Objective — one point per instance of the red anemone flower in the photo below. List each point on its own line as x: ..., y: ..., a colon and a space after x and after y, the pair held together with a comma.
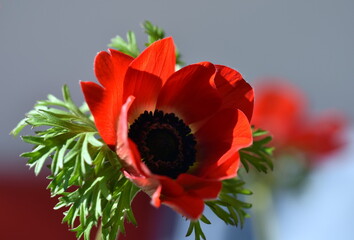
x: 177, y: 133
x: 282, y: 109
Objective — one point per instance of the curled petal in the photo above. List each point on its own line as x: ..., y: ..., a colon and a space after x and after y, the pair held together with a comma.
x: 173, y: 195
x: 110, y: 68
x: 226, y: 167
x: 133, y: 167
x: 101, y: 104
x: 149, y: 185
x: 219, y: 139
x: 189, y: 94
x: 126, y: 149
x: 186, y: 194
x: 199, y: 187
x: 234, y: 90
x: 190, y: 207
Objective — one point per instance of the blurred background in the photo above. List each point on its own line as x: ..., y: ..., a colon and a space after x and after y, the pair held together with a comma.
x: 45, y: 44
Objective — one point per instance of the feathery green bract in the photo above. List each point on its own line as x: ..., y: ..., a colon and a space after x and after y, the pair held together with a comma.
x: 154, y: 32
x: 130, y: 47
x: 228, y: 207
x: 85, y: 173
x: 194, y: 226
x: 259, y: 155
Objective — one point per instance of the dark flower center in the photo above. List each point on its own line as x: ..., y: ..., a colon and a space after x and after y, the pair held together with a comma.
x: 165, y: 143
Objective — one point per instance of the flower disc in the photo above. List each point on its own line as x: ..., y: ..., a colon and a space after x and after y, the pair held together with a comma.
x: 165, y: 143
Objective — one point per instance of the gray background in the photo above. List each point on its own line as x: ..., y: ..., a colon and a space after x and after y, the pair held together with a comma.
x: 45, y: 44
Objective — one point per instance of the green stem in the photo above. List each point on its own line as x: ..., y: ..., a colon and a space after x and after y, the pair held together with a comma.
x: 265, y: 223
x: 99, y: 232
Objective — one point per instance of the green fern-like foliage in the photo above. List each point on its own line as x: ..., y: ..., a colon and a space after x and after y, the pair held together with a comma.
x: 130, y: 46
x: 259, y: 154
x: 85, y: 173
x: 228, y: 207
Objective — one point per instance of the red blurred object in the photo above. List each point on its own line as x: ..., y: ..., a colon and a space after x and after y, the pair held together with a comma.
x: 26, y: 211
x: 150, y: 221
x: 282, y: 109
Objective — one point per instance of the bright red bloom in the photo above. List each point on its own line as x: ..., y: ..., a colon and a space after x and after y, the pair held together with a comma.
x: 177, y: 133
x: 282, y: 110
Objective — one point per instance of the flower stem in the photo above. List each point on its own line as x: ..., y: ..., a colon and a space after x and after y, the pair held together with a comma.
x: 99, y: 232
x: 264, y: 219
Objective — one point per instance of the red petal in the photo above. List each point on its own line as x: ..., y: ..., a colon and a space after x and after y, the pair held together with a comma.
x: 173, y: 195
x: 199, y: 187
x: 147, y: 73
x: 280, y: 109
x: 145, y: 87
x: 149, y: 185
x: 110, y: 68
x: 309, y: 137
x: 100, y: 105
x: 126, y: 149
x: 188, y: 206
x: 105, y: 102
x: 235, y: 91
x: 226, y: 167
x: 219, y: 139
x: 189, y: 94
x: 170, y: 187
x: 158, y: 59
x: 186, y: 194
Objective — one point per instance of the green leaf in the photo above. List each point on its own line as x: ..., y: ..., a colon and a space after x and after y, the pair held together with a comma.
x: 85, y: 155
x: 19, y: 127
x: 194, y: 226
x: 228, y: 207
x: 154, y: 32
x: 259, y: 155
x: 129, y: 47
x: 85, y: 173
x: 229, y: 197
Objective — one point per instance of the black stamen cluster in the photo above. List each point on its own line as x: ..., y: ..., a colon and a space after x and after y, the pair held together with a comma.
x: 165, y: 143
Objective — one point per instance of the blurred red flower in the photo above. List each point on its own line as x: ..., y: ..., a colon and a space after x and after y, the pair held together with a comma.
x: 282, y: 109
x: 177, y: 133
